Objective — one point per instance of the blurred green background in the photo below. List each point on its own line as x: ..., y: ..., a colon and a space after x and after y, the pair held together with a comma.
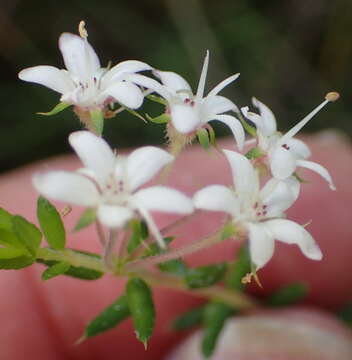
x: 289, y: 53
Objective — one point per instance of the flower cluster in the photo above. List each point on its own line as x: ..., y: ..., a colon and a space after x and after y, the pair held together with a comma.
x: 110, y: 184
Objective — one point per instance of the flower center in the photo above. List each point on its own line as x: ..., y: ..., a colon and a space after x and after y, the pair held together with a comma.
x: 115, y: 191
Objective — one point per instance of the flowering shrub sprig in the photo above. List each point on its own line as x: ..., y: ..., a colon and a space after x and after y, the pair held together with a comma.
x: 112, y: 190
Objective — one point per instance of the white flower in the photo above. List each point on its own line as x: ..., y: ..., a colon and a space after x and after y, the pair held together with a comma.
x: 109, y: 183
x: 285, y: 153
x: 259, y: 213
x: 191, y: 112
x: 85, y: 83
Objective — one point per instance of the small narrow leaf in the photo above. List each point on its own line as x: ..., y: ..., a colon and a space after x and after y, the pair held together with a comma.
x: 203, y: 138
x: 51, y: 224
x: 212, y: 136
x: 254, y: 153
x: 141, y: 306
x: 189, y: 319
x: 58, y: 108
x: 5, y: 220
x: 27, y: 233
x: 161, y: 119
x: 11, y: 252
x: 16, y: 263
x: 155, y: 249
x: 109, y: 318
x: 156, y: 99
x: 175, y: 266
x: 214, y: 317
x: 238, y: 269
x: 97, y: 118
x: 55, y: 270
x: 205, y: 275
x: 248, y: 127
x: 138, y: 235
x: 136, y: 114
x: 288, y: 295
x: 87, y: 218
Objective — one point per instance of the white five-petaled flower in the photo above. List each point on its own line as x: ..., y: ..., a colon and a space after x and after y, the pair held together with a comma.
x: 191, y: 112
x: 85, y: 83
x: 285, y: 153
x: 259, y: 213
x: 109, y: 183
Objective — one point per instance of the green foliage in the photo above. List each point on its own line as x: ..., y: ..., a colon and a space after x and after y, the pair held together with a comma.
x: 254, y: 153
x: 249, y: 128
x: 55, y: 270
x: 288, y: 295
x: 157, y: 99
x: 189, y: 319
x: 139, y: 233
x: 155, y: 249
x: 109, y: 318
x: 15, y: 263
x: 229, y: 230
x: 214, y: 317
x: 203, y: 138
x: 57, y: 108
x: 28, y: 234
x: 51, y: 224
x: 205, y: 275
x: 161, y: 119
x: 87, y: 218
x: 175, y: 266
x: 141, y: 306
x: 5, y: 220
x: 238, y: 269
x: 97, y: 118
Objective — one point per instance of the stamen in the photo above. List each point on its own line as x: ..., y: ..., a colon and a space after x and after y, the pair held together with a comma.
x: 82, y: 30
x: 285, y: 146
x: 332, y: 96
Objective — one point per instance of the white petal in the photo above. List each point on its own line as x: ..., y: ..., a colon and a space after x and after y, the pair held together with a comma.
x: 126, y: 93
x: 267, y: 116
x: 150, y: 84
x: 235, y: 126
x: 68, y: 187
x: 114, y: 216
x: 164, y: 199
x: 217, y: 105
x: 185, y: 118
x: 128, y: 66
x: 298, y: 148
x: 95, y: 154
x: 144, y: 163
x: 173, y: 81
x: 254, y: 118
x: 216, y: 198
x: 261, y: 244
x: 278, y: 195
x: 49, y: 76
x: 202, y: 79
x: 245, y: 178
x: 319, y: 169
x: 282, y: 163
x: 79, y: 56
x: 290, y: 232
x: 223, y: 84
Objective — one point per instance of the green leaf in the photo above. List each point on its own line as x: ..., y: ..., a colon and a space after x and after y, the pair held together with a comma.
x: 136, y: 114
x: 203, y: 138
x: 11, y: 252
x: 28, y: 234
x: 189, y: 319
x: 97, y: 118
x: 238, y: 269
x: 16, y: 263
x: 249, y: 128
x: 254, y: 153
x: 141, y: 306
x: 161, y: 119
x: 55, y: 270
x: 214, y: 317
x: 212, y: 136
x: 87, y: 218
x: 5, y: 220
x: 175, y: 266
x: 345, y: 314
x: 205, y: 275
x: 9, y: 239
x: 109, y: 318
x: 58, y: 108
x: 288, y: 295
x: 157, y: 99
x: 139, y: 233
x: 155, y: 249
x: 51, y: 224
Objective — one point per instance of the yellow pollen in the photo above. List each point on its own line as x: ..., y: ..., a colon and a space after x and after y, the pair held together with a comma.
x: 332, y: 96
x: 82, y: 30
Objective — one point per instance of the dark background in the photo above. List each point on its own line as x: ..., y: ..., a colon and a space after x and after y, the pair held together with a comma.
x: 289, y: 53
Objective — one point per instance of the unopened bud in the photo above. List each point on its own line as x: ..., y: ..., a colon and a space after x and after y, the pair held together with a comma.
x: 332, y: 96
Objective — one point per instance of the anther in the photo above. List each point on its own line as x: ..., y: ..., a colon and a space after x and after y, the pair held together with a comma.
x: 82, y: 30
x: 332, y: 96
x: 285, y: 146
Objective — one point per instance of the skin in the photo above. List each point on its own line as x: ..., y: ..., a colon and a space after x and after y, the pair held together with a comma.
x: 43, y: 320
